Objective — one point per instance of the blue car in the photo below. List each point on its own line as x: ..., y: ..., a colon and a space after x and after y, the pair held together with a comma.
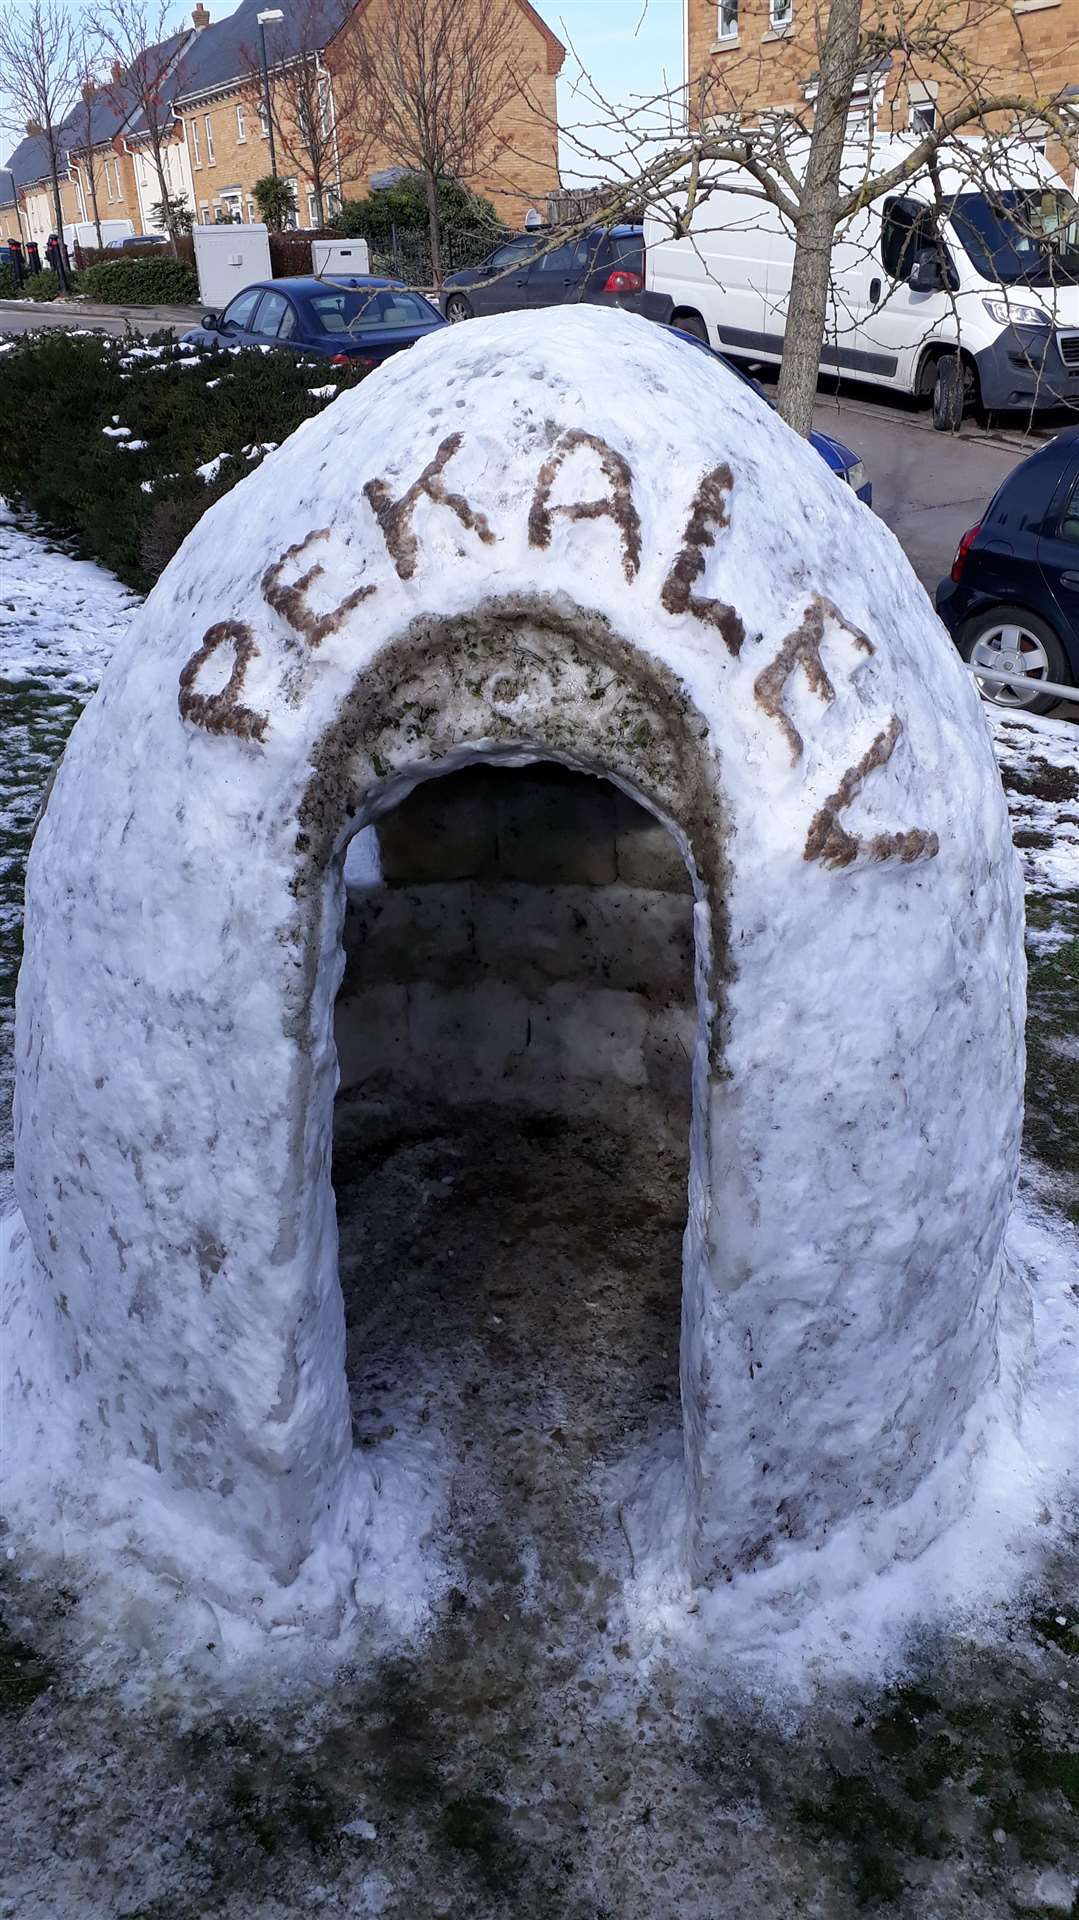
x: 358, y: 318
x: 1011, y: 601
x: 843, y: 461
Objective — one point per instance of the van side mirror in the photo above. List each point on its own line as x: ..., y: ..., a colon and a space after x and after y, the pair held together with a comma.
x: 933, y: 271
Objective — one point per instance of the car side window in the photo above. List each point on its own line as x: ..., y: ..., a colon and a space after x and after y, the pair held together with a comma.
x: 273, y: 308
x: 237, y: 315
x: 561, y: 260
x: 1069, y: 519
x: 513, y: 255
x: 907, y: 228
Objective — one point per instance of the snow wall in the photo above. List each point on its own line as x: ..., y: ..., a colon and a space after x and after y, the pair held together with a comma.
x: 568, y: 538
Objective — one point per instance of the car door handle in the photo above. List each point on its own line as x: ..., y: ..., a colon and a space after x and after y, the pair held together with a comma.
x: 1069, y: 579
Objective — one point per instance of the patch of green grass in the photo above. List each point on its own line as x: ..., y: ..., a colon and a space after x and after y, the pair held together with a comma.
x: 23, y: 1675
x: 1052, y: 1117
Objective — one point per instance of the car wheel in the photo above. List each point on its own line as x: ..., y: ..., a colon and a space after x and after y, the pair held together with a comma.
x: 1013, y: 640
x: 457, y: 308
x: 691, y: 323
x: 948, y: 394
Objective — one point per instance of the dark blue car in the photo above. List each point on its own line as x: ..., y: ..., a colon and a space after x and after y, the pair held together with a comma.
x: 843, y: 461
x: 359, y: 318
x: 1011, y: 601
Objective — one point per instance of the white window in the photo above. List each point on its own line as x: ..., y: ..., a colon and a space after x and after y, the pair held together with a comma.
x: 204, y: 216
x: 780, y: 14
x: 208, y: 124
x: 922, y: 108
x: 241, y: 123
x: 324, y: 106
x: 728, y: 19
x: 312, y: 209
x: 195, y: 148
x: 294, y: 217
x: 264, y: 123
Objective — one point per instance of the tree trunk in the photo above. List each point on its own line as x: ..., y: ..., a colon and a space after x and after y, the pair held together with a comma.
x: 808, y: 308
x: 93, y: 203
x: 431, y: 185
x: 62, y: 273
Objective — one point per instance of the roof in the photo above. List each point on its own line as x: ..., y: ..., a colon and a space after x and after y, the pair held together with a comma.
x: 227, y: 50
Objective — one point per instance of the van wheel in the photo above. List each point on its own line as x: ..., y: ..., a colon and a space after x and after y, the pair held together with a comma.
x: 691, y: 323
x: 948, y: 394
x: 1014, y: 640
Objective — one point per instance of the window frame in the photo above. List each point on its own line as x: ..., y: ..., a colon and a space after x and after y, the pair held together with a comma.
x: 782, y: 21
x: 195, y: 145
x: 241, y: 124
x: 211, y: 158
x: 727, y: 30
x: 245, y: 327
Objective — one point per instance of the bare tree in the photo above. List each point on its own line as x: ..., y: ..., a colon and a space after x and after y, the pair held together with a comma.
x: 321, y: 118
x: 135, y: 35
x: 438, y: 77
x: 39, y: 59
x: 82, y: 129
x: 797, y: 161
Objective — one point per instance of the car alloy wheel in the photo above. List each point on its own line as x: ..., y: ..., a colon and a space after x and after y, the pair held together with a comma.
x: 1010, y: 647
x: 457, y: 309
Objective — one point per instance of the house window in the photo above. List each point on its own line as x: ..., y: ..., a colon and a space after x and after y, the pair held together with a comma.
x: 780, y: 14
x: 922, y: 109
x: 207, y: 123
x: 264, y: 123
x: 728, y: 19
x: 241, y: 123
x: 196, y: 149
x: 294, y: 217
x: 324, y: 104
x: 252, y: 213
x: 204, y: 216
x: 312, y: 209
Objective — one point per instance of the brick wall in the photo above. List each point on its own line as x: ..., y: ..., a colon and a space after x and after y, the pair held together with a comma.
x: 1027, y: 47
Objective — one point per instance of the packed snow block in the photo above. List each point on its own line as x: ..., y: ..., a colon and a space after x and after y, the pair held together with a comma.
x: 485, y: 556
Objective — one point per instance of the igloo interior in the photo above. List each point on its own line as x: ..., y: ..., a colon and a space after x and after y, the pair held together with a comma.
x: 491, y: 610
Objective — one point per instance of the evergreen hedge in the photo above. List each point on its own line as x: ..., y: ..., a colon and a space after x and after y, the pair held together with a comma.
x: 41, y: 286
x: 140, y: 282
x: 130, y: 510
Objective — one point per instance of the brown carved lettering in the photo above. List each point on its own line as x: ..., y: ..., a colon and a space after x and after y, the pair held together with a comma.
x: 828, y: 840
x: 395, y: 516
x: 708, y: 511
x: 222, y: 712
x: 291, y: 601
x: 617, y: 505
x: 802, y: 648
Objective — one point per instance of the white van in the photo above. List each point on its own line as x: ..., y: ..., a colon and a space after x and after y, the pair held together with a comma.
x: 968, y: 294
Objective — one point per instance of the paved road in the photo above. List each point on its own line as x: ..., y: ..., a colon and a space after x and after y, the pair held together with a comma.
x: 25, y: 317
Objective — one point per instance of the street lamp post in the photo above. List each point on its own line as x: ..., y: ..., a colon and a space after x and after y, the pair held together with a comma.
x: 271, y: 14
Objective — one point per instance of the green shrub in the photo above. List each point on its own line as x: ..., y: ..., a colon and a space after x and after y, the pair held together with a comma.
x: 141, y: 283
x: 132, y: 509
x: 273, y: 198
x: 9, y: 286
x: 41, y: 286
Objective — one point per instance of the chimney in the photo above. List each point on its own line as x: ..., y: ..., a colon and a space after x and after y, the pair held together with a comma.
x: 117, y: 73
x: 33, y: 128
x: 200, y: 18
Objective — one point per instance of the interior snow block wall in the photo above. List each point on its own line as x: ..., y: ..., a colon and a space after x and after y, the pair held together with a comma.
x: 569, y: 538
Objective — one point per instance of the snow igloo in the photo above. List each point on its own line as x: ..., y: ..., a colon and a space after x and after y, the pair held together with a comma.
x: 557, y: 623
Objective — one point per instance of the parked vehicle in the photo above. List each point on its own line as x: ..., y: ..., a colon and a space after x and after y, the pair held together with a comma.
x: 339, y: 319
x: 974, y: 305
x: 1011, y: 601
x: 843, y: 461
x: 535, y: 270
x: 126, y: 240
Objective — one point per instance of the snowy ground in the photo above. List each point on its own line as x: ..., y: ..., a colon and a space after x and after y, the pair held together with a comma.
x: 533, y: 1753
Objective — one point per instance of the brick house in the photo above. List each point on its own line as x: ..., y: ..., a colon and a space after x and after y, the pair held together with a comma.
x: 215, y: 138
x: 743, y: 56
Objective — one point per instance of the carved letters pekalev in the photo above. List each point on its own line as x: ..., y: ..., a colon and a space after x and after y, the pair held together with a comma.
x: 828, y: 840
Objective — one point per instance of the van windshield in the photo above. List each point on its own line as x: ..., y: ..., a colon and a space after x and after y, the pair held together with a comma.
x: 1028, y: 235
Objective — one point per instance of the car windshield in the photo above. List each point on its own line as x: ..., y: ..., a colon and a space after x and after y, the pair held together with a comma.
x: 1028, y: 235
x: 369, y: 310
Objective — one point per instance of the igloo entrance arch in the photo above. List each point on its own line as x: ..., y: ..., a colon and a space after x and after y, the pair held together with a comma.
x: 479, y: 557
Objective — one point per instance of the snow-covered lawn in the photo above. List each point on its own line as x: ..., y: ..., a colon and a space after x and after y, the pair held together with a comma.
x: 524, y: 1759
